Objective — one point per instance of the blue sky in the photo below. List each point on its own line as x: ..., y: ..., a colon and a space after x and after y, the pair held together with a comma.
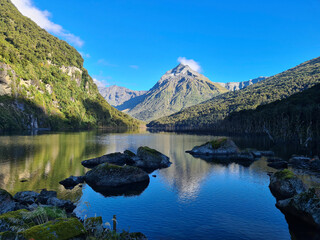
x: 133, y: 43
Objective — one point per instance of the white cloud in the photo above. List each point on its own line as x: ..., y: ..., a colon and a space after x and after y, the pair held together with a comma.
x: 27, y: 8
x: 106, y: 63
x: 85, y: 55
x: 101, y: 83
x: 191, y: 63
x: 134, y: 66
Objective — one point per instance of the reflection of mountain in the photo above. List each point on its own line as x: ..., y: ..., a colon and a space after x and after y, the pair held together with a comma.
x: 45, y: 160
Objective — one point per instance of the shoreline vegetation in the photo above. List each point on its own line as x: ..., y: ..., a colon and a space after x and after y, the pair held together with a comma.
x: 43, y: 83
x: 42, y: 216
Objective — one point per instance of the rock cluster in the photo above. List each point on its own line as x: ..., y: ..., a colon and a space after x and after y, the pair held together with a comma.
x: 30, y: 200
x: 120, y: 173
x: 293, y: 199
x: 49, y: 219
x: 224, y: 150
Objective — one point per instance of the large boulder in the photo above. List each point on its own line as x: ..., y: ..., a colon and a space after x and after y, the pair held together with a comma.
x: 109, y: 175
x: 26, y: 197
x: 7, y: 202
x: 221, y: 146
x: 285, y: 184
x: 112, y: 158
x: 149, y: 158
x: 14, y: 221
x: 71, y: 182
x: 304, y: 206
x: 61, y: 228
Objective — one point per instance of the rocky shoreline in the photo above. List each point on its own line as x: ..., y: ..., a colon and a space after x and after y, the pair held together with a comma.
x: 32, y: 215
x: 294, y: 198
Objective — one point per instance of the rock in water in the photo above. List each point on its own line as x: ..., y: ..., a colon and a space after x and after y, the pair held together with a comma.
x: 284, y: 184
x: 219, y: 147
x: 305, y: 206
x: 151, y: 159
x: 112, y: 158
x: 7, y: 203
x: 109, y: 175
x: 71, y: 182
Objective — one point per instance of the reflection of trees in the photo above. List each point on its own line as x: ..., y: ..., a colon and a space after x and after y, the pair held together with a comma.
x: 44, y: 160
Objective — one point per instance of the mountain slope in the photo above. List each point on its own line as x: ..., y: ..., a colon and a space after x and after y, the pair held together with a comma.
x: 116, y: 95
x: 296, y: 117
x: 43, y: 82
x: 177, y: 89
x: 233, y: 86
x: 280, y: 86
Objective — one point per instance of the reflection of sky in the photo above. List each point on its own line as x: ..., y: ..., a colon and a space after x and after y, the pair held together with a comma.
x: 192, y: 199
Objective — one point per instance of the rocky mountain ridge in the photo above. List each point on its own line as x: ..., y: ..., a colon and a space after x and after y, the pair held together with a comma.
x: 177, y: 89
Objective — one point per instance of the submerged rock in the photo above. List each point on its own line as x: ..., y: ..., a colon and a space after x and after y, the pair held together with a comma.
x: 109, y: 175
x: 72, y: 181
x: 221, y: 146
x: 304, y: 206
x: 7, y: 202
x: 284, y: 184
x: 112, y: 158
x: 149, y: 158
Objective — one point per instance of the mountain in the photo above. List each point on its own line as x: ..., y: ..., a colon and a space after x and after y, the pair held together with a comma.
x: 296, y: 117
x: 177, y: 89
x: 280, y: 86
x: 43, y: 83
x: 233, y: 86
x: 116, y: 95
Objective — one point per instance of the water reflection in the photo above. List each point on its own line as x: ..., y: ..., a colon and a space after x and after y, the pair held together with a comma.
x: 189, y: 200
x: 44, y: 160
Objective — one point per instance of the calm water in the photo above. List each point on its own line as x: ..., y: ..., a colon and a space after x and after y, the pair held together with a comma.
x: 193, y: 199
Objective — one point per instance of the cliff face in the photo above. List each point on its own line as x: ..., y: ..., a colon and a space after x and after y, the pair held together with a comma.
x: 116, y: 95
x: 233, y: 86
x: 43, y: 82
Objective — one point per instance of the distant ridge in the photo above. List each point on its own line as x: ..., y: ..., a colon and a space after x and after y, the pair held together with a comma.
x: 179, y: 88
x: 207, y: 114
x: 233, y: 86
x: 116, y: 95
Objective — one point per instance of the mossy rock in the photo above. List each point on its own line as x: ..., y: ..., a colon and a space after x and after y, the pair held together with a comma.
x: 129, y: 153
x: 149, y: 150
x: 15, y: 221
x: 285, y: 174
x: 7, y: 235
x: 217, y: 143
x: 61, y: 228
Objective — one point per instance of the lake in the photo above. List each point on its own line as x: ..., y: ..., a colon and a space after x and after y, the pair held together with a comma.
x: 192, y: 199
